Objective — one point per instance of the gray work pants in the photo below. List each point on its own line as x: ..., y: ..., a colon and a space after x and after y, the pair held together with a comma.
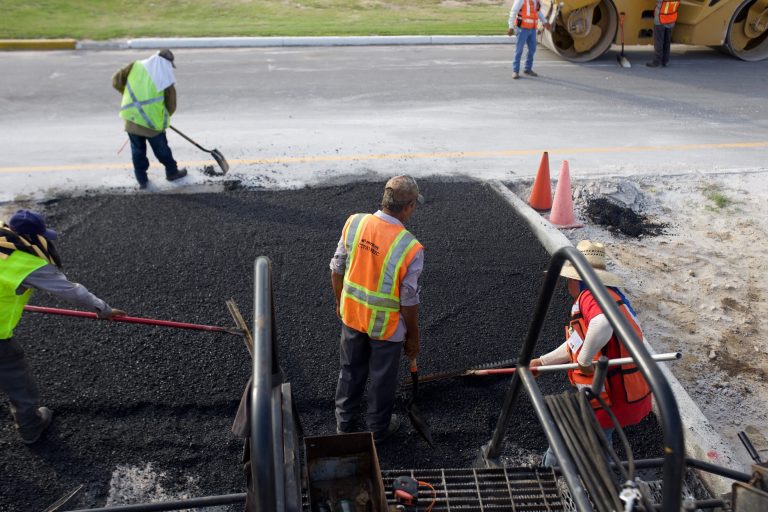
x: 17, y: 382
x: 662, y: 40
x: 361, y: 358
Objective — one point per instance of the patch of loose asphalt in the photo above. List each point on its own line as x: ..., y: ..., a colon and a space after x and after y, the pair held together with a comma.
x: 129, y: 394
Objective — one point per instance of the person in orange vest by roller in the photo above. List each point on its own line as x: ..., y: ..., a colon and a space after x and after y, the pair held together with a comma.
x: 664, y: 18
x: 525, y: 16
x: 374, y: 274
x: 588, y: 336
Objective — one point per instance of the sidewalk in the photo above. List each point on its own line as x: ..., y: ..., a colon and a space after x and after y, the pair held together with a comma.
x: 246, y: 42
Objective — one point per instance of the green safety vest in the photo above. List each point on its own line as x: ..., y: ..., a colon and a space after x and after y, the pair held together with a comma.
x: 14, y: 269
x: 142, y: 103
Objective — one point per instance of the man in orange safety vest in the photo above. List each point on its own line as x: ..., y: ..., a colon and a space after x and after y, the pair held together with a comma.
x: 374, y: 274
x: 524, y: 17
x: 664, y: 18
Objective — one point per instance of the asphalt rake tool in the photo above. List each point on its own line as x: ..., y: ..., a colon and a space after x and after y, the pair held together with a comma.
x: 494, y: 368
x: 215, y: 153
x: 135, y: 320
x: 413, y: 412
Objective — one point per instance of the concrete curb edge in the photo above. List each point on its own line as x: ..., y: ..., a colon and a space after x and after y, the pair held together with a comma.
x: 37, y: 44
x: 247, y: 42
x: 702, y: 441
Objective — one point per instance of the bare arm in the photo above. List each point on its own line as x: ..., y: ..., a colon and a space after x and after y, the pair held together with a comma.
x: 412, y: 334
x: 169, y: 96
x: 337, y: 282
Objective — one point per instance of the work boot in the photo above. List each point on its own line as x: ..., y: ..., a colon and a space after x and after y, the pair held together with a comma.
x: 143, y: 185
x: 30, y: 431
x: 530, y: 72
x: 177, y: 175
x: 383, y: 435
x: 652, y: 64
x: 515, y: 75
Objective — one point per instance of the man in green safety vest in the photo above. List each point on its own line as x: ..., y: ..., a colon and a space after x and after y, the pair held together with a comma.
x: 149, y: 100
x: 28, y: 260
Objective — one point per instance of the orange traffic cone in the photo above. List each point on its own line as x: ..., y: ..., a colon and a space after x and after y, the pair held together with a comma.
x: 541, y: 193
x: 562, y: 211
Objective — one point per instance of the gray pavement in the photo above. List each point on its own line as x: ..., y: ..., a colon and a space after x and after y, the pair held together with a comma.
x: 291, y: 116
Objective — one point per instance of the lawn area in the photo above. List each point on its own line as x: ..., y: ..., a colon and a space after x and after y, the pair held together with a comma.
x: 110, y: 19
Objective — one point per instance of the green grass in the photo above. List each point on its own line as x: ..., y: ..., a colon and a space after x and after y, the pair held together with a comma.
x: 714, y: 194
x: 115, y: 19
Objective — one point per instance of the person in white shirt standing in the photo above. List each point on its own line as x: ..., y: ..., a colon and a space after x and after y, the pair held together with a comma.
x: 525, y: 16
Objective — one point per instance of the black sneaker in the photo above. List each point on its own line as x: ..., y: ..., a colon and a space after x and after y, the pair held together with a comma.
x: 177, y: 175
x: 31, y: 434
x: 530, y: 72
x: 383, y: 435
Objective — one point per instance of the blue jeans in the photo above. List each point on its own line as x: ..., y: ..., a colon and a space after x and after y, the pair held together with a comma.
x: 161, y: 150
x: 525, y: 37
x: 549, y: 460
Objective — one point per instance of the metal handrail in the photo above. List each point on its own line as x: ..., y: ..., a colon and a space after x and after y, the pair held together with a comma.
x: 669, y: 415
x: 265, y: 368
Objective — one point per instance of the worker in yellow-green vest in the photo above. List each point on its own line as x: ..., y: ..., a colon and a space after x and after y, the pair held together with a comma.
x: 28, y: 260
x: 374, y: 274
x: 149, y: 101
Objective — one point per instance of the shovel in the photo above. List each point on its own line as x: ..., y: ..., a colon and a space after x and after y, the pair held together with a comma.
x: 413, y: 413
x: 620, y: 58
x: 214, y: 152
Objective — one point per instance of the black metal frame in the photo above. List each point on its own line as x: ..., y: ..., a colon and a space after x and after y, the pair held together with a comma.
x: 669, y: 415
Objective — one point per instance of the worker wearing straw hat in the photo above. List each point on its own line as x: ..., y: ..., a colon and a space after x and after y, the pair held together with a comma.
x: 590, y: 335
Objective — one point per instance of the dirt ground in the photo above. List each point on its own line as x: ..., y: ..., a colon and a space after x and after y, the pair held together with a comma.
x: 699, y: 286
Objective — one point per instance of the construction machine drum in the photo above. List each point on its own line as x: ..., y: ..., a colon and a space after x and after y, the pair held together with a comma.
x: 585, y: 29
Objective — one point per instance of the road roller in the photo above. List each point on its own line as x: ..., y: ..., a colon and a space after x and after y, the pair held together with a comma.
x: 585, y: 29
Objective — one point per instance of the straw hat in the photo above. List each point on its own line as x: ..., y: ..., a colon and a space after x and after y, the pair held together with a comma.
x: 594, y: 252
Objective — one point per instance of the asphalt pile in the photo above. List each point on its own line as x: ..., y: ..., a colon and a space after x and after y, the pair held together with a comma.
x: 128, y: 395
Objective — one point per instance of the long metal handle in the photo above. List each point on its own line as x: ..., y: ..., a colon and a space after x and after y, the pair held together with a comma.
x: 190, y: 140
x: 669, y: 356
x: 133, y: 320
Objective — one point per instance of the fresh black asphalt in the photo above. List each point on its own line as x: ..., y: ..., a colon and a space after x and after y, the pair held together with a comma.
x: 127, y: 395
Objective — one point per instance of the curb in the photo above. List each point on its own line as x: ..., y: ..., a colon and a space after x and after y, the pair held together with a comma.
x: 247, y: 42
x: 37, y: 44
x: 702, y: 440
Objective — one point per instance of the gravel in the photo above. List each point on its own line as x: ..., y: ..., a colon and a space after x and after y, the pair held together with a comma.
x: 158, y: 403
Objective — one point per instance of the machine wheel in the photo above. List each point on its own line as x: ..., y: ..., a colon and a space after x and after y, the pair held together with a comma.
x: 747, y: 36
x: 584, y: 34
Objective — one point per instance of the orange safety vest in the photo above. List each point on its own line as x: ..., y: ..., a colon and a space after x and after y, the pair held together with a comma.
x: 378, y: 255
x: 668, y: 12
x: 528, y: 16
x: 632, y: 383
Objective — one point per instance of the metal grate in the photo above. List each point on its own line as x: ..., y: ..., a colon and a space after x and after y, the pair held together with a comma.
x: 484, y: 490
x: 502, y: 489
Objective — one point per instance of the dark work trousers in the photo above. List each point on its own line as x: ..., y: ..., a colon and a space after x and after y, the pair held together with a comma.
x: 362, y: 357
x: 17, y: 382
x: 161, y: 150
x: 662, y: 39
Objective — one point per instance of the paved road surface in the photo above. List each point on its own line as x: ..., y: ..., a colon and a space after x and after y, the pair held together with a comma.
x: 292, y: 116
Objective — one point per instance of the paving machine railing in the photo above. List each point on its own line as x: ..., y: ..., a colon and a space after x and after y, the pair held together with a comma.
x: 669, y: 415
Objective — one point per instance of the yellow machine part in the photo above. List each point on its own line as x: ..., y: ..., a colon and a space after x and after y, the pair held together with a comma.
x: 586, y: 29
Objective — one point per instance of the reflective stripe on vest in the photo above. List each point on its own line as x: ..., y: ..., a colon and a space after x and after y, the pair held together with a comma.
x: 528, y: 17
x: 634, y: 386
x: 380, y: 305
x: 14, y: 269
x: 142, y: 103
x: 668, y: 12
